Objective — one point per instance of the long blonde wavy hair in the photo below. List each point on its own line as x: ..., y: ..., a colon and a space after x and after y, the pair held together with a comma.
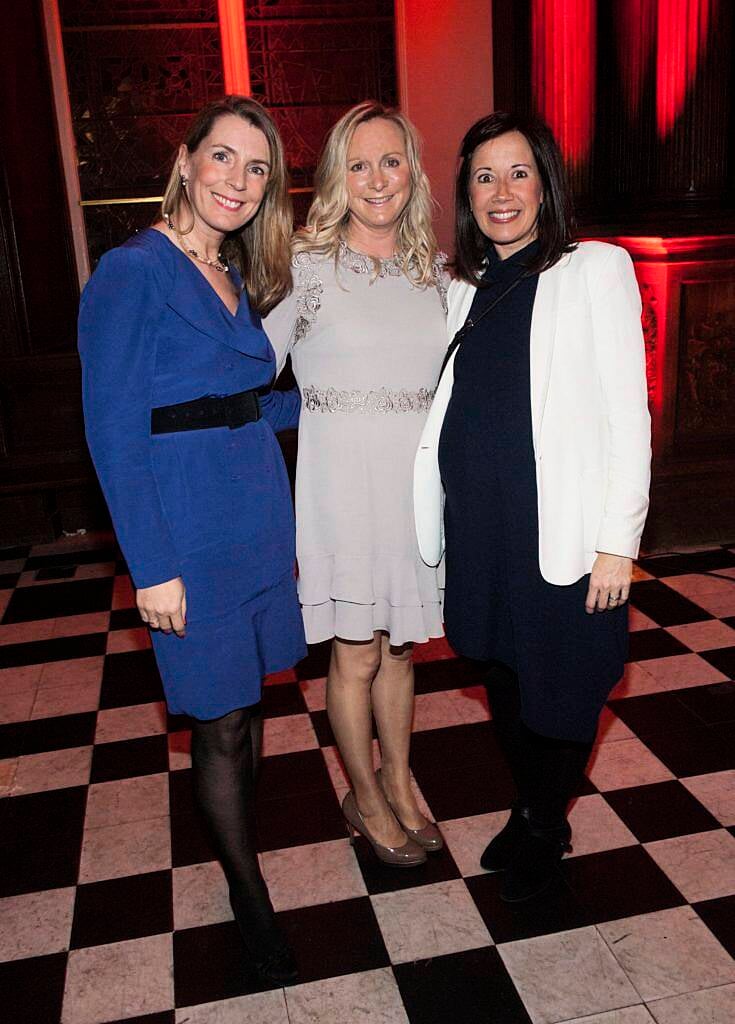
x: 329, y: 212
x: 261, y: 250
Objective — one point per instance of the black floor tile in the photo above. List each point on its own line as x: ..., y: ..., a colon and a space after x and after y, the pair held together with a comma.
x: 555, y: 910
x: 655, y: 713
x: 189, y: 841
x: 660, y: 811
x: 8, y: 580
x: 464, y: 988
x: 454, y: 794
x: 664, y: 605
x: 166, y: 1017
x: 299, y: 774
x: 63, y: 648
x: 323, y: 730
x: 332, y: 939
x: 125, y: 759
x: 130, y: 678
x: 619, y: 883
x: 180, y: 793
x: 29, y: 865
x: 704, y: 749
x: 32, y: 990
x: 16, y: 552
x: 448, y: 674
x: 283, y: 699
x: 379, y: 877
x: 41, y: 815
x: 455, y: 746
x: 59, y: 599
x: 719, y: 916
x: 125, y: 618
x: 122, y: 908
x: 56, y: 572
x: 723, y: 659
x: 653, y: 643
x: 696, y: 561
x: 227, y: 973
x: 316, y: 663
x: 46, y: 734
x: 296, y: 820
x: 711, y: 704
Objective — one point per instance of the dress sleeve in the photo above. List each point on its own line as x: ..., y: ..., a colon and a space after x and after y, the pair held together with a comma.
x: 281, y: 409
x: 118, y: 351
x: 620, y: 354
x: 280, y: 326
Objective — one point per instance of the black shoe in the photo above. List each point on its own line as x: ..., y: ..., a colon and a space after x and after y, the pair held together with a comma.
x: 278, y: 967
x: 500, y: 851
x: 535, y: 863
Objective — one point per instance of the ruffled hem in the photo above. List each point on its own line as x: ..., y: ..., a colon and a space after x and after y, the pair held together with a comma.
x: 352, y: 621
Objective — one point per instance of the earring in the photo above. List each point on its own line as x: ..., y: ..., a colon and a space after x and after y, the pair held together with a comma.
x: 184, y: 181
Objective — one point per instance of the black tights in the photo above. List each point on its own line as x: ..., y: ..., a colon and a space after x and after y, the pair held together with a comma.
x: 546, y: 771
x: 225, y: 753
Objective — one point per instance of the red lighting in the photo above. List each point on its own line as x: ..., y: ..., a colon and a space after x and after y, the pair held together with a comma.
x: 636, y: 33
x: 683, y: 33
x: 234, y: 46
x: 563, y: 36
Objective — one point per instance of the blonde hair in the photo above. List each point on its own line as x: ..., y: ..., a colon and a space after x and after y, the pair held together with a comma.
x: 261, y: 249
x: 329, y: 212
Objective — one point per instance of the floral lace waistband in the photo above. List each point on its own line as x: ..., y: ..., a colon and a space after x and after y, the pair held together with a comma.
x: 380, y: 400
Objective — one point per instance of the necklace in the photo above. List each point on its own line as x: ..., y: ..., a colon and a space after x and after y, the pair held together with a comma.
x: 218, y: 263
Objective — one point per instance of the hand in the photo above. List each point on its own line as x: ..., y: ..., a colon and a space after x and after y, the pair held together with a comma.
x: 609, y: 583
x: 164, y: 606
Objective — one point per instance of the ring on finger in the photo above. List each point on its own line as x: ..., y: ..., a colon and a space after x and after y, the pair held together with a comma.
x: 612, y: 600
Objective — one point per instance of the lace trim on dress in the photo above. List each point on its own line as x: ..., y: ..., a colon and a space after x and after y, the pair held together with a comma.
x: 381, y: 400
x: 309, y: 287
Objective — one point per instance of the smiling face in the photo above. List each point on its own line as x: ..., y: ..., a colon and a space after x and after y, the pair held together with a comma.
x: 226, y: 175
x: 506, y: 192
x: 378, y: 177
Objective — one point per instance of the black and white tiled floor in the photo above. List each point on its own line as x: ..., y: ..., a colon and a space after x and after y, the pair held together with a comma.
x: 111, y: 907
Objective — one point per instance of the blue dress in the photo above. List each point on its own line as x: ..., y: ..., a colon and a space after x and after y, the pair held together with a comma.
x: 497, y: 605
x: 211, y: 506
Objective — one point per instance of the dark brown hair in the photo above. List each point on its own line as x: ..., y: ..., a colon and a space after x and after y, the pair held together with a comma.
x: 555, y: 219
x: 261, y: 250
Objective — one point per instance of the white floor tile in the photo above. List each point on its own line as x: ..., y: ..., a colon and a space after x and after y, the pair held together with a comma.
x: 303, y: 876
x: 36, y: 924
x: 625, y: 763
x: 371, y: 997
x: 130, y: 849
x: 713, y: 1006
x: 260, y: 1008
x: 125, y: 800
x: 717, y: 792
x: 200, y: 895
x: 57, y: 769
x: 131, y: 722
x: 288, y: 733
x: 701, y: 866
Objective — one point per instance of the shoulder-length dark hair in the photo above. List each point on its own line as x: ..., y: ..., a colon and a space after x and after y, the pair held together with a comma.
x: 261, y: 250
x: 556, y: 218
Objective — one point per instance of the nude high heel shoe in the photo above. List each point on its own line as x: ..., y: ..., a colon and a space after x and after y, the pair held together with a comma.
x: 428, y: 838
x: 409, y: 855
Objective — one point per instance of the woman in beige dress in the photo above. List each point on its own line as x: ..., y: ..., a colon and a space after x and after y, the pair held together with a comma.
x: 366, y: 329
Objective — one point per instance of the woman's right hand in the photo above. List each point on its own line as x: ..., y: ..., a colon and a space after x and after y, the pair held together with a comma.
x: 164, y: 606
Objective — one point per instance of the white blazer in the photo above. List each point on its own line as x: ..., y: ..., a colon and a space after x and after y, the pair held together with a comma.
x: 589, y: 411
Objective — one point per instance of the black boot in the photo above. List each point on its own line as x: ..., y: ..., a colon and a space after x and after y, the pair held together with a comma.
x: 556, y: 768
x: 505, y: 702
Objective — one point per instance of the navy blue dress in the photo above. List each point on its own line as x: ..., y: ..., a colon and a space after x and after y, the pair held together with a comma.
x: 497, y: 606
x: 211, y: 506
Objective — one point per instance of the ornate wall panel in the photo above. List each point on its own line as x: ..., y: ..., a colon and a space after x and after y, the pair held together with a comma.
x: 137, y: 71
x: 309, y: 62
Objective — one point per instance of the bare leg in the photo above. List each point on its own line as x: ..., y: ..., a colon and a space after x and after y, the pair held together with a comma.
x: 352, y: 669
x: 393, y: 707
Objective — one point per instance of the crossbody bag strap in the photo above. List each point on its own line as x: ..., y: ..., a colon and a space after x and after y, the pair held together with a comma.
x: 469, y: 323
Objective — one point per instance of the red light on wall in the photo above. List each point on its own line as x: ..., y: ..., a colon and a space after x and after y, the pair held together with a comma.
x: 234, y: 46
x: 636, y: 34
x: 563, y: 37
x: 682, y: 36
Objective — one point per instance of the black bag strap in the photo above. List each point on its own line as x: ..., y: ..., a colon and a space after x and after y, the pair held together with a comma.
x: 470, y: 323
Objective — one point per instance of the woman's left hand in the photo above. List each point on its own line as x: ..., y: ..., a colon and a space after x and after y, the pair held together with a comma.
x: 609, y: 583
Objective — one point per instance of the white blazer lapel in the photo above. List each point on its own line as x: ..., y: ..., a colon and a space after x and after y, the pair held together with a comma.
x: 543, y: 331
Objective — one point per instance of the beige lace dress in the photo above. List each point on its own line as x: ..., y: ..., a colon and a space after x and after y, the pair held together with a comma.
x: 366, y: 349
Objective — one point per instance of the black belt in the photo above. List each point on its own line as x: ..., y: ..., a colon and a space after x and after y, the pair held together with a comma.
x: 215, y: 411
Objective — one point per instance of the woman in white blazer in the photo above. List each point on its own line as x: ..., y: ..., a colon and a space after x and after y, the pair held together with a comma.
x: 534, y: 464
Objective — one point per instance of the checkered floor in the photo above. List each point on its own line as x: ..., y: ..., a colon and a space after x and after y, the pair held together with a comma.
x: 112, y: 908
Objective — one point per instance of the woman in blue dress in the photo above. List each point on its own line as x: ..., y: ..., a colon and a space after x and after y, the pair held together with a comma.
x: 181, y: 421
